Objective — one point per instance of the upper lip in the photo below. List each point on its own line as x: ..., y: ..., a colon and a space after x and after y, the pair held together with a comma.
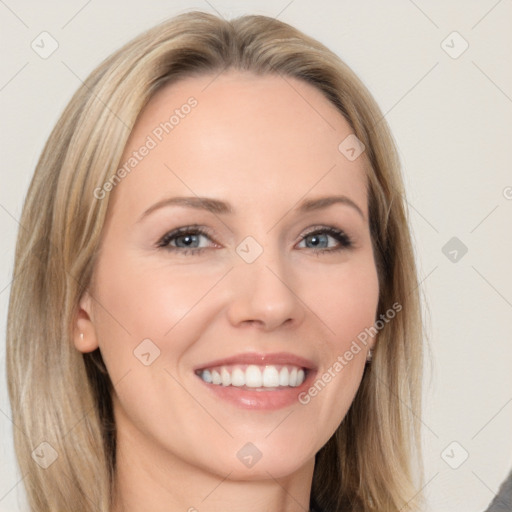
x: 283, y: 358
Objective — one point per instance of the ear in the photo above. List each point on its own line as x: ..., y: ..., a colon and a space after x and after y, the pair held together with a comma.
x: 84, y: 331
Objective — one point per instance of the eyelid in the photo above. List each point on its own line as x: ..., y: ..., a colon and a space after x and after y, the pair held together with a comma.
x: 197, y: 229
x: 344, y: 240
x: 322, y: 228
x: 340, y: 235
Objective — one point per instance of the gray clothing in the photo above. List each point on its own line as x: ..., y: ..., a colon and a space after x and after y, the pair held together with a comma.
x: 502, y: 502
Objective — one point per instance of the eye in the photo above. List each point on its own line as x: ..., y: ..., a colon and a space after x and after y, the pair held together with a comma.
x: 326, y: 239
x: 194, y: 239
x: 185, y: 240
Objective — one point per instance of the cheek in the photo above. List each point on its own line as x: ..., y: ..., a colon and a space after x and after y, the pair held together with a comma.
x: 137, y: 302
x: 154, y: 299
x: 347, y: 309
x: 147, y: 318
x: 345, y: 298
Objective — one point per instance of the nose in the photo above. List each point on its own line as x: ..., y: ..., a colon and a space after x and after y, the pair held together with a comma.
x: 264, y: 295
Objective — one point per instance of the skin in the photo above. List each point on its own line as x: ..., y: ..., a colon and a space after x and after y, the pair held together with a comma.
x: 262, y: 144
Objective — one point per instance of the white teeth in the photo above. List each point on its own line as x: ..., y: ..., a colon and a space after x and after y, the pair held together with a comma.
x: 238, y: 377
x: 293, y: 377
x: 216, y: 379
x: 226, y: 377
x: 270, y: 377
x: 284, y: 376
x: 253, y: 376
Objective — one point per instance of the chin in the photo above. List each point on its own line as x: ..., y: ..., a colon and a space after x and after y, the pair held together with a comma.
x: 249, y: 463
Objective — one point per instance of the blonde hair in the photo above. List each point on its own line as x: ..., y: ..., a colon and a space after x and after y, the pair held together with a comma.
x: 62, y: 397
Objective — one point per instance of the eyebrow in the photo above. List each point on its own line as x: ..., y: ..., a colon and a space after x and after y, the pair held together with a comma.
x: 324, y: 202
x: 220, y: 207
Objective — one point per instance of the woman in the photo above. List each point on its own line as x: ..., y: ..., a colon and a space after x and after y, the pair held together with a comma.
x: 216, y: 303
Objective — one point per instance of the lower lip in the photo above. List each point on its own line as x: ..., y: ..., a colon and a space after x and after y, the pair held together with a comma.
x: 260, y: 400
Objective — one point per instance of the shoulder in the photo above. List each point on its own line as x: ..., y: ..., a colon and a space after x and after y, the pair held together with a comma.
x: 503, y: 500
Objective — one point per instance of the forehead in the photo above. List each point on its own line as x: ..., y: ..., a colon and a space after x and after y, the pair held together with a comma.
x: 240, y: 137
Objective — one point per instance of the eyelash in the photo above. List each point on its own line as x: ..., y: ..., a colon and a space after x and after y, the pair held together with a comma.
x: 344, y: 240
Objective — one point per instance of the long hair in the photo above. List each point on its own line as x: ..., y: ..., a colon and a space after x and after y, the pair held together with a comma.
x: 61, y: 399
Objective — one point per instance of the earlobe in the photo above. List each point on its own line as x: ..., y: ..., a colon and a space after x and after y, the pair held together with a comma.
x: 371, y: 349
x: 84, y: 330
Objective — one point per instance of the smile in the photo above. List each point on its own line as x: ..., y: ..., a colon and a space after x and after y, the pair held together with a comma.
x: 257, y: 381
x: 253, y: 376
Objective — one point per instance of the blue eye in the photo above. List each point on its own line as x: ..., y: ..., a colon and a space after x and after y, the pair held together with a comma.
x: 187, y: 240
x: 322, y: 238
x: 190, y: 240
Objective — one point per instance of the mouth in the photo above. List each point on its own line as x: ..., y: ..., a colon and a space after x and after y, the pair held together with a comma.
x: 254, y: 377
x: 258, y: 381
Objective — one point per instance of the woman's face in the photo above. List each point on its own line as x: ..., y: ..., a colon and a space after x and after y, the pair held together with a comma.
x: 223, y: 259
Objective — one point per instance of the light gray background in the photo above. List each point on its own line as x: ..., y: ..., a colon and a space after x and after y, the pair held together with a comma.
x: 452, y: 120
